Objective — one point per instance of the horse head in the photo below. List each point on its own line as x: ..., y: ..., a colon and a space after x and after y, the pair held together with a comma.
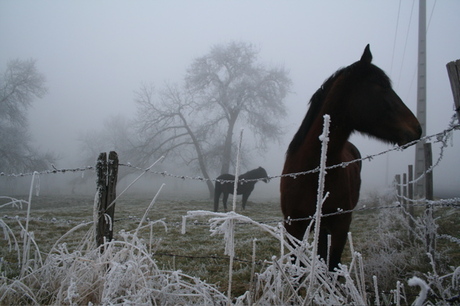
x: 263, y: 174
x: 375, y: 109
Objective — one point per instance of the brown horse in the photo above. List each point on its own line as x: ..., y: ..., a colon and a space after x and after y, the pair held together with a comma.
x: 357, y: 98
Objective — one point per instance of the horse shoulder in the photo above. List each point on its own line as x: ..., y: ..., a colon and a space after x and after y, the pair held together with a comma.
x: 354, y: 172
x: 352, y: 150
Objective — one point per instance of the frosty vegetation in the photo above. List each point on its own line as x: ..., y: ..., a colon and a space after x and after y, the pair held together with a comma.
x: 396, y: 265
x: 126, y: 272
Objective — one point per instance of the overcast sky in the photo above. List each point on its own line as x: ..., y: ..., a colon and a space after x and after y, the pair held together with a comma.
x: 95, y: 54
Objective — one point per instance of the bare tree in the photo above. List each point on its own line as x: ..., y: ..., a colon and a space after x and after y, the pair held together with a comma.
x: 196, y: 122
x: 233, y: 86
x: 172, y: 126
x: 20, y: 84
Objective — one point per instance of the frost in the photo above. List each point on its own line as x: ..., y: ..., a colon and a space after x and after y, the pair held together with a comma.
x: 415, y: 281
x: 126, y: 272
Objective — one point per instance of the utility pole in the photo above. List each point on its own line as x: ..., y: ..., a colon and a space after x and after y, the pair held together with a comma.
x: 421, y: 98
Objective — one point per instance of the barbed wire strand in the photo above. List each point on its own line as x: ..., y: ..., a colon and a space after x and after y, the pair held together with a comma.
x: 452, y: 202
x: 440, y: 137
x: 259, y: 262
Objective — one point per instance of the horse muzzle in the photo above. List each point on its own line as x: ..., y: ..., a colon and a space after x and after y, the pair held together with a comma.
x: 411, y: 135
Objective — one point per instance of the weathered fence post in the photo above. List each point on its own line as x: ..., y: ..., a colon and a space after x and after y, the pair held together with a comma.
x: 430, y: 226
x: 410, y: 195
x: 404, y: 191
x: 398, y: 186
x: 107, y: 174
x: 453, y: 70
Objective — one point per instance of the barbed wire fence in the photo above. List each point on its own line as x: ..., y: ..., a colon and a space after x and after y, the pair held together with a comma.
x: 442, y: 137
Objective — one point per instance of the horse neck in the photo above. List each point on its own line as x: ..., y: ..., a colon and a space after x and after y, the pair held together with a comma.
x: 339, y: 132
x: 249, y: 176
x: 337, y: 105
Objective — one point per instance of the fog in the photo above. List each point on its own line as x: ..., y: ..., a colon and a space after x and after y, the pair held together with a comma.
x: 95, y: 54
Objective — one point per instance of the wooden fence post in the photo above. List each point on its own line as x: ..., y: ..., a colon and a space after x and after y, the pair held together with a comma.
x: 410, y: 195
x: 430, y: 226
x: 453, y: 70
x: 404, y: 191
x: 107, y: 175
x: 398, y: 186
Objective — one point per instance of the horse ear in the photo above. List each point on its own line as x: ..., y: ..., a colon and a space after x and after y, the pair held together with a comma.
x: 367, y: 55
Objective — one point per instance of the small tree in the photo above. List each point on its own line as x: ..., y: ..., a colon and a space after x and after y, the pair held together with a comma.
x: 20, y: 84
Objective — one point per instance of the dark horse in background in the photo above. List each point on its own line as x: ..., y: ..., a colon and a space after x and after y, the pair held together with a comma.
x: 244, y: 188
x: 357, y: 98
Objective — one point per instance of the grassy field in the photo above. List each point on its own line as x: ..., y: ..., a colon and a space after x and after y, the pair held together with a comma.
x: 195, y: 252
x: 199, y: 254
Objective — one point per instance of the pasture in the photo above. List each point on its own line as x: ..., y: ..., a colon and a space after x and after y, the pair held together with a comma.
x: 390, y: 250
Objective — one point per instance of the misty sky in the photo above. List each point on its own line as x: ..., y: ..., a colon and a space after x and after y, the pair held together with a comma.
x: 95, y: 54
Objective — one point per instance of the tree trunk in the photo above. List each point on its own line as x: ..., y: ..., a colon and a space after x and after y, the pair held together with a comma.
x: 227, y: 154
x: 203, y: 166
x: 200, y: 157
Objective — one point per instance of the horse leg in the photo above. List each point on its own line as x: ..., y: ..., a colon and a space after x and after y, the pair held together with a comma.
x: 296, y: 228
x: 322, y: 244
x: 225, y: 201
x: 245, y: 199
x: 339, y: 235
x: 217, y: 192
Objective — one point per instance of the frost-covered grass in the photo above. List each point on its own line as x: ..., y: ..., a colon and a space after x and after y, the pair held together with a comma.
x: 194, y: 250
x: 395, y: 248
x: 159, y: 264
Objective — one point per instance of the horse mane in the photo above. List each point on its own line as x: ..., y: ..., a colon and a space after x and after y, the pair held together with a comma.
x: 316, y: 103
